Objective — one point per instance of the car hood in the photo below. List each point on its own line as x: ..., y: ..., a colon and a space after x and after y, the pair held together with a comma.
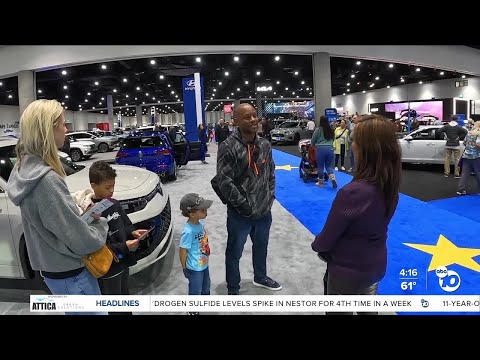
x: 283, y: 131
x: 82, y: 143
x: 131, y: 182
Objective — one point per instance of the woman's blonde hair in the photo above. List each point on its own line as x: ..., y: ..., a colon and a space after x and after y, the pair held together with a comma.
x: 476, y: 128
x: 37, y: 123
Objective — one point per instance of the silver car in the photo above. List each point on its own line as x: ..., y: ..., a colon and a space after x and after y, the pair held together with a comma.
x: 290, y: 131
x: 424, y: 145
x: 104, y: 143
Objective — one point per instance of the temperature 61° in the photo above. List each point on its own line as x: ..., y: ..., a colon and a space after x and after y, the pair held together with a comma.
x: 408, y: 285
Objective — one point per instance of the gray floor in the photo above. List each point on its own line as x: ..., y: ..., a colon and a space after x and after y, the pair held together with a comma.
x: 290, y: 258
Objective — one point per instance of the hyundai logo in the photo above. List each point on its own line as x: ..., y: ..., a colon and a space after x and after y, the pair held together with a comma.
x: 191, y: 83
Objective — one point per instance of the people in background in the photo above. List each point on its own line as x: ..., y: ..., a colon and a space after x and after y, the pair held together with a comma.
x: 172, y: 133
x: 202, y: 137
x: 56, y: 236
x: 453, y: 133
x: 194, y: 246
x: 322, y: 139
x: 340, y: 144
x: 221, y: 131
x: 353, y: 240
x: 66, y: 146
x: 470, y: 158
x: 246, y: 182
x: 310, y: 127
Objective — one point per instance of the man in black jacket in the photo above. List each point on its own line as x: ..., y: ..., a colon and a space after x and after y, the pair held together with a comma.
x: 221, y: 131
x: 453, y: 133
x: 246, y: 179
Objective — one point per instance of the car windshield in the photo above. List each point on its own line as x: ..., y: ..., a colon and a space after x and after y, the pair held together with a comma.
x: 288, y: 124
x: 142, y: 142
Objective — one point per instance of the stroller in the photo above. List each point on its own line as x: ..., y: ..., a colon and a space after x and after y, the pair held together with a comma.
x: 308, y: 165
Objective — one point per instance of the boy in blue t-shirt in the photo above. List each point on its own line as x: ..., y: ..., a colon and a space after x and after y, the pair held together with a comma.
x: 194, y: 248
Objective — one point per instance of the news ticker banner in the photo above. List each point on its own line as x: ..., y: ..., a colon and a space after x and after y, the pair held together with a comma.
x: 255, y: 303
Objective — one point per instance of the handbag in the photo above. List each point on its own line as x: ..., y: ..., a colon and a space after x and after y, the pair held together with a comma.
x: 99, y: 262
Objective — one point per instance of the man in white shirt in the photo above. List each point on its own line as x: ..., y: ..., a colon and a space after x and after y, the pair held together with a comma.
x: 311, y: 127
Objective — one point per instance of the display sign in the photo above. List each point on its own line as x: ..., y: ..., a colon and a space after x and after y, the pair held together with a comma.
x: 227, y: 108
x: 331, y: 114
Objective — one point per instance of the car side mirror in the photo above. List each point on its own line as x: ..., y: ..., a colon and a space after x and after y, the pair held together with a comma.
x: 408, y: 138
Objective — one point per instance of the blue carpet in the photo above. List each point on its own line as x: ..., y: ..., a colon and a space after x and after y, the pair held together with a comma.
x: 414, y: 222
x: 467, y: 206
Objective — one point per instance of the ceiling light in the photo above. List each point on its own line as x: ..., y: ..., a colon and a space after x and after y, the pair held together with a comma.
x: 39, y: 91
x: 377, y: 78
x: 114, y: 90
x: 65, y: 87
x: 343, y: 93
x: 96, y: 83
x: 93, y: 108
x: 66, y: 96
x: 173, y: 92
x: 348, y: 90
x: 214, y: 90
x: 348, y: 84
x: 1, y: 83
x: 104, y: 67
x: 463, y: 76
x: 417, y: 69
x: 80, y: 109
x: 286, y: 88
x: 363, y: 91
x: 258, y: 72
x: 146, y: 94
x: 420, y: 82
x: 359, y: 62
x: 390, y: 66
x: 246, y: 82
x: 352, y: 76
x: 236, y: 58
x: 126, y: 96
x: 125, y: 80
x: 86, y: 100
x: 296, y: 72
x: 402, y: 80
x: 117, y: 101
x: 169, y: 85
x: 198, y: 59
x: 64, y: 72
x: 88, y: 94
x: 238, y: 89
x: 372, y: 85
x: 303, y: 82
x: 442, y: 73
x: 277, y: 58
x: 152, y: 62
x: 388, y: 87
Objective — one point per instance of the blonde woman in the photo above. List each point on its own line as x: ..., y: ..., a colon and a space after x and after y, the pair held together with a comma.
x: 340, y: 144
x: 470, y: 158
x: 56, y: 237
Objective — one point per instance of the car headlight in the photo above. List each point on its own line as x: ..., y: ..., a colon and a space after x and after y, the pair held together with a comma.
x: 134, y: 205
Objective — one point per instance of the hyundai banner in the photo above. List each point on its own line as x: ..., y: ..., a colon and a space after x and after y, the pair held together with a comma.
x: 190, y: 108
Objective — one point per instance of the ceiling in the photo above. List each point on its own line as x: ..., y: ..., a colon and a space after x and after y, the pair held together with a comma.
x: 159, y: 80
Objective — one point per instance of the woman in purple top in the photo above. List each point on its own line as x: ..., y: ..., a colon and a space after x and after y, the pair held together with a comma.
x: 353, y: 240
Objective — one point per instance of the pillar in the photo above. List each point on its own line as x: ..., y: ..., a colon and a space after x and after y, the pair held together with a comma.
x: 26, y: 89
x: 322, y: 84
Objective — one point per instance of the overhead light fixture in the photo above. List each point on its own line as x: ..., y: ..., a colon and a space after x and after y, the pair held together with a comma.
x: 104, y: 67
x: 359, y: 62
x: 236, y: 58
x: 152, y: 62
x: 198, y: 59
x: 64, y: 72
x: 277, y: 58
x: 390, y: 66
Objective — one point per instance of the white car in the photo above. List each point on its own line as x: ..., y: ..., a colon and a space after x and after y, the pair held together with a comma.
x: 424, y: 145
x: 139, y: 191
x: 82, y: 150
x: 104, y: 143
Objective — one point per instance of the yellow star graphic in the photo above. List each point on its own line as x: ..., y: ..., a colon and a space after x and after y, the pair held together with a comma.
x: 447, y: 253
x: 285, y: 167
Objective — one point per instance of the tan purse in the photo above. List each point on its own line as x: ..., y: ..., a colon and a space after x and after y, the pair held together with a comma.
x: 99, y: 262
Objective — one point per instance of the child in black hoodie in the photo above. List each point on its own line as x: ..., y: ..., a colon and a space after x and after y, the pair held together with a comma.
x: 122, y: 236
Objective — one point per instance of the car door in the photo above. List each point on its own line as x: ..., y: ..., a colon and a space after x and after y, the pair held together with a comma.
x: 421, y: 148
x: 195, y: 147
x: 181, y: 147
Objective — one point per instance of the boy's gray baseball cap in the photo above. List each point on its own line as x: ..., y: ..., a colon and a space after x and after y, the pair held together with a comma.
x: 192, y: 202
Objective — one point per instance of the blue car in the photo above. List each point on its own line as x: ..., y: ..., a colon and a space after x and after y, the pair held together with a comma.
x: 155, y: 151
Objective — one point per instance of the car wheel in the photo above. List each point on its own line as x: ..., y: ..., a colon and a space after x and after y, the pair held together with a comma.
x: 76, y: 155
x: 103, y: 148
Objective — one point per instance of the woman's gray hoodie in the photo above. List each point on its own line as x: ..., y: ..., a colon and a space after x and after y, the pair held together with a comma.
x: 55, y: 235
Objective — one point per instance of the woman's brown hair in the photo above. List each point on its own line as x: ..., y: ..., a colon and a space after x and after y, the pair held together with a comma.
x: 378, y: 156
